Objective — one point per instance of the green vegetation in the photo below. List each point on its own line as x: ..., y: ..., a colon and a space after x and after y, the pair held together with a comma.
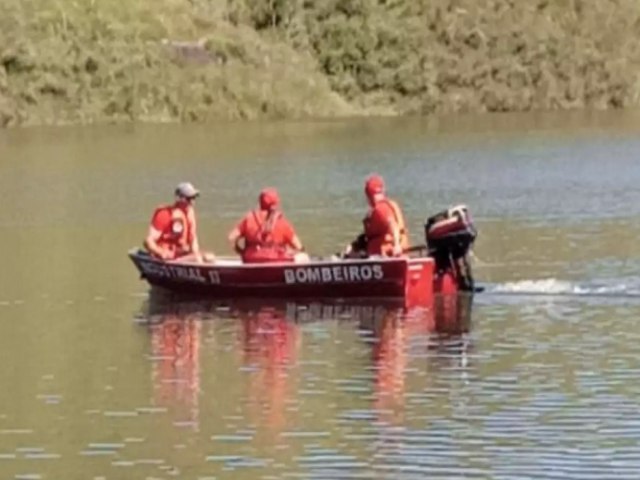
x: 82, y: 61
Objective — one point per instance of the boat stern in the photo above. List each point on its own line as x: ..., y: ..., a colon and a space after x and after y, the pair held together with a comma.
x: 419, y: 279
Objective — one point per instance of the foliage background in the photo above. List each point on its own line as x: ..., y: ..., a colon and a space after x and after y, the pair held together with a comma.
x: 84, y: 61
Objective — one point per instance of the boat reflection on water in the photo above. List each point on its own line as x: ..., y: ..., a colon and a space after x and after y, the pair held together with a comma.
x: 264, y: 336
x: 268, y: 341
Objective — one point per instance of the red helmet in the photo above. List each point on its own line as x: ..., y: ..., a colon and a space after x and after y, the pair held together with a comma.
x: 269, y: 199
x: 374, y: 185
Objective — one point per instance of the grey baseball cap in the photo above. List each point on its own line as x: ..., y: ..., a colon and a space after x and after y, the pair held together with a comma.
x: 187, y: 190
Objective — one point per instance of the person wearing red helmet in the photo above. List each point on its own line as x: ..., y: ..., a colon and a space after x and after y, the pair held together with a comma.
x: 172, y: 234
x: 385, y: 231
x: 265, y: 235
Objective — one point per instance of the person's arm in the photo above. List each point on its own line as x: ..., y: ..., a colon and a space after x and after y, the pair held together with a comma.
x: 394, y: 229
x: 194, y: 246
x: 296, y: 244
x: 292, y: 239
x: 150, y: 243
x: 235, y: 237
x: 395, y: 232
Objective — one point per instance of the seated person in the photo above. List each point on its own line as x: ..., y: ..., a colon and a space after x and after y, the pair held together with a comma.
x: 172, y: 234
x: 385, y: 233
x: 265, y: 235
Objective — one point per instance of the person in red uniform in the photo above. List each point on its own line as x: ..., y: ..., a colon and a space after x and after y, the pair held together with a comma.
x: 385, y: 231
x: 172, y: 234
x: 265, y: 235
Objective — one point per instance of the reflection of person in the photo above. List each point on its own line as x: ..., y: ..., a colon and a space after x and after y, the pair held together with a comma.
x: 265, y: 235
x: 175, y: 343
x: 393, y: 329
x: 390, y: 357
x: 173, y: 234
x: 270, y: 344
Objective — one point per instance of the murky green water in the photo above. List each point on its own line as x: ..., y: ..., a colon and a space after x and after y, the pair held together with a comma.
x: 536, y: 380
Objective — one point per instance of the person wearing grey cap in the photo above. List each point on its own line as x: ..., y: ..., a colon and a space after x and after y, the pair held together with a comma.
x: 173, y: 234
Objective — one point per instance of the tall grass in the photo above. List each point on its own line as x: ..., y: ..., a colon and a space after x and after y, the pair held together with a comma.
x: 69, y: 61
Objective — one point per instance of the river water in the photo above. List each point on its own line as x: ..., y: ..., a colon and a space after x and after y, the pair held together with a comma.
x: 536, y: 379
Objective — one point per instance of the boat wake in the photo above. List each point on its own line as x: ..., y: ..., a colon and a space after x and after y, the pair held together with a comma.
x: 627, y: 288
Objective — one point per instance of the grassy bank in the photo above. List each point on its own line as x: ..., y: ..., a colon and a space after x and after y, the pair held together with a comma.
x: 82, y: 61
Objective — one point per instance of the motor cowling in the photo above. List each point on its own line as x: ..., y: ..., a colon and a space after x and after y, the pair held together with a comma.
x: 449, y: 235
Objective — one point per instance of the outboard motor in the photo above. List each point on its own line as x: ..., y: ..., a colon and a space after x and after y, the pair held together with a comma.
x: 449, y: 235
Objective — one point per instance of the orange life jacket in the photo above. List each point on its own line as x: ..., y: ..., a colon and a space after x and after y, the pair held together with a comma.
x: 177, y: 236
x: 380, y: 238
x: 262, y: 244
x: 262, y: 233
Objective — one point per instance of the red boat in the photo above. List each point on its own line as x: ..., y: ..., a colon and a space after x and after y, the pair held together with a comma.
x: 439, y: 268
x: 404, y: 278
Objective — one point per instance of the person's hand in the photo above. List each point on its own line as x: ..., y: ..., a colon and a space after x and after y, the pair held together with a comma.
x: 165, y: 254
x: 397, y: 250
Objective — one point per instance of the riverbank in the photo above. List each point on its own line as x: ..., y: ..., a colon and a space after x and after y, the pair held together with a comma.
x: 177, y: 60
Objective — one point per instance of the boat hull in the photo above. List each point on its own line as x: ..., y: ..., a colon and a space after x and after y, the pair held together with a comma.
x: 408, y: 279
